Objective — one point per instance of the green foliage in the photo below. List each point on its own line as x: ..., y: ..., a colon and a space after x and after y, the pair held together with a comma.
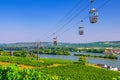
x: 91, y: 50
x: 1, y: 49
x: 107, y: 56
x: 54, y: 51
x: 25, y: 52
x: 118, y: 78
x: 13, y: 73
x: 110, y: 56
x: 82, y: 60
x: 33, y: 61
x: 95, y: 50
x: 81, y: 72
x: 2, y: 53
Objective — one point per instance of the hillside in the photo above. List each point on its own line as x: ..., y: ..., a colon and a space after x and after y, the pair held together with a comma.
x: 114, y: 44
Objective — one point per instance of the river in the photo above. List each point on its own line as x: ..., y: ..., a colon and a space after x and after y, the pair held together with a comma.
x: 110, y: 62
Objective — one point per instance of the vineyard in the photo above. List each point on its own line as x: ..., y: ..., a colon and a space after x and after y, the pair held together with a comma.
x: 32, y: 61
x: 81, y: 72
x: 14, y: 73
x: 45, y: 69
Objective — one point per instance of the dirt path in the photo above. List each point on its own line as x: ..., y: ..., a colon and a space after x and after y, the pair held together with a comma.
x: 93, y: 65
x: 19, y: 65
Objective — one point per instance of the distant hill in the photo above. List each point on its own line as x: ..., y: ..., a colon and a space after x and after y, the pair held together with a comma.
x: 48, y: 44
x: 113, y: 42
x: 24, y: 44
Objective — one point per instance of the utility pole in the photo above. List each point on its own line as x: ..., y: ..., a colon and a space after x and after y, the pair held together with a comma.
x: 11, y: 52
x: 38, y: 45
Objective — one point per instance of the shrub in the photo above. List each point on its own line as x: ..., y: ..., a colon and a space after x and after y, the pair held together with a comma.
x: 82, y: 60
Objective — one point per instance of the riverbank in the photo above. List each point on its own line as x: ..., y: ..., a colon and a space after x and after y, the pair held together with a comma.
x: 108, y: 67
x: 108, y: 56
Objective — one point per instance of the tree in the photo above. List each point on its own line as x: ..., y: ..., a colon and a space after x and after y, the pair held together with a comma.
x: 82, y: 60
x: 1, y: 50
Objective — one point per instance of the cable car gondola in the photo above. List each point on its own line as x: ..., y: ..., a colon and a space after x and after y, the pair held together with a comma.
x: 93, y: 13
x: 81, y: 31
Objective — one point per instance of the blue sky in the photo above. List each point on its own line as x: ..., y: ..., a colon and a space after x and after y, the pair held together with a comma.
x: 31, y: 20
